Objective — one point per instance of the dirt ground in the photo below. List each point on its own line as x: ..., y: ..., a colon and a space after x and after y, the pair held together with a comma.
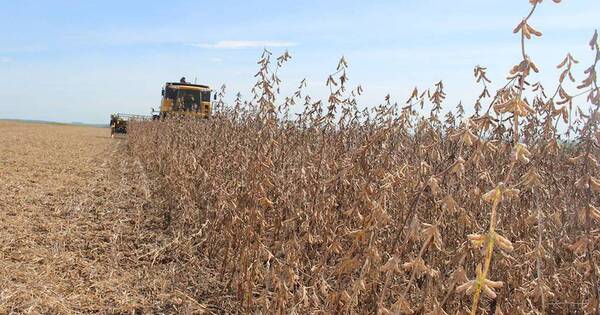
x: 77, y: 234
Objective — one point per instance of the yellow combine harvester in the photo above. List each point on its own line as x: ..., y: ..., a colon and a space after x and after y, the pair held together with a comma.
x: 185, y: 99
x: 178, y: 99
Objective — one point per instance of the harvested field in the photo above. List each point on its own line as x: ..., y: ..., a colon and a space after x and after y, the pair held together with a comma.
x: 77, y: 234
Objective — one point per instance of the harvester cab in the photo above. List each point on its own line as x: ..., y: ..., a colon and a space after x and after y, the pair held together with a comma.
x: 182, y: 98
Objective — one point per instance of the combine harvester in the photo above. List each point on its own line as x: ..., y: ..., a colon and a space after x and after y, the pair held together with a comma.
x: 178, y: 99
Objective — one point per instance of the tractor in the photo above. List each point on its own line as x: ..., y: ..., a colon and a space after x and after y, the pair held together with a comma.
x: 118, y: 124
x: 119, y: 121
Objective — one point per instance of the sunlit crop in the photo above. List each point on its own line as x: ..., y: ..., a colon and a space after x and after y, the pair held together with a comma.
x: 393, y: 209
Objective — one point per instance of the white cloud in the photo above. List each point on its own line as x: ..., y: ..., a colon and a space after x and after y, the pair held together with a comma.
x: 242, y: 44
x: 5, y: 59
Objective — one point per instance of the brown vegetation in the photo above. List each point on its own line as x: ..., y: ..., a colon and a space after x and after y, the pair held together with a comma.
x: 386, y: 210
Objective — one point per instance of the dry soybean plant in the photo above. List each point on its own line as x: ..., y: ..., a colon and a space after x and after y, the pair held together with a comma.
x: 343, y: 209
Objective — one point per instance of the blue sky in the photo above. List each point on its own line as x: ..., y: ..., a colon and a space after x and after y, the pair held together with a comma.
x: 81, y: 60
